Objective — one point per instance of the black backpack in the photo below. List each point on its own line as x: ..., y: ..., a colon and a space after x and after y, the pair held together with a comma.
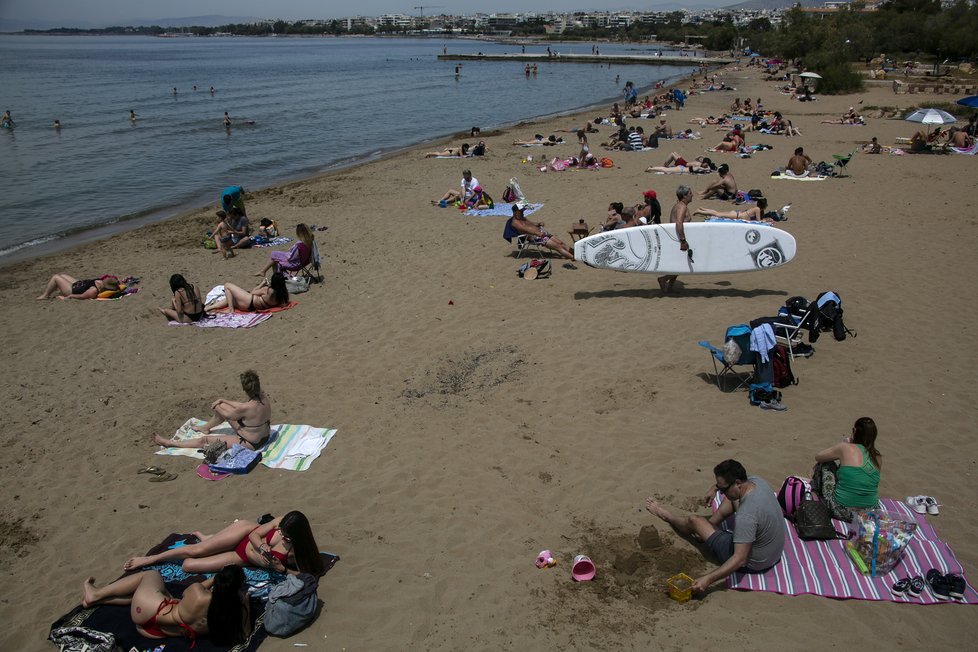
x: 830, y: 316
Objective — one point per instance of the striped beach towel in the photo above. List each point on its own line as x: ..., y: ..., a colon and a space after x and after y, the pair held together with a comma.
x: 226, y: 320
x: 292, y: 447
x: 501, y: 209
x: 824, y: 567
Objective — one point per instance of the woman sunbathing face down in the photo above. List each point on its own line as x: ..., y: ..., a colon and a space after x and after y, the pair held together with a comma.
x: 62, y: 286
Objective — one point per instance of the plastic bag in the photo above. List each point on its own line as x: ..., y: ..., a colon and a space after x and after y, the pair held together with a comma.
x: 880, y: 540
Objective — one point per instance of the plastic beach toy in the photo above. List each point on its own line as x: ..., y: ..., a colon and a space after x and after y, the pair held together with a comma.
x: 545, y: 559
x: 583, y: 569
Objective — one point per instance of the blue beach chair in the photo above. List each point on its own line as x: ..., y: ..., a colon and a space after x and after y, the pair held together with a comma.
x: 721, y: 368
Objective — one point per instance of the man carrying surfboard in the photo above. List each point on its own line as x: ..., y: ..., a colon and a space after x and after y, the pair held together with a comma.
x: 679, y: 215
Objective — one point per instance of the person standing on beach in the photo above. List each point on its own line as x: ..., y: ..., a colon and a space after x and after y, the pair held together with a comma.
x: 757, y: 540
x: 678, y: 216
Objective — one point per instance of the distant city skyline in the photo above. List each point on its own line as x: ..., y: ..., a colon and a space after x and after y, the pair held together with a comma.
x: 89, y: 13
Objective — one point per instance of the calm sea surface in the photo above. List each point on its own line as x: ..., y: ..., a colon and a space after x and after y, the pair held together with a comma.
x: 316, y: 103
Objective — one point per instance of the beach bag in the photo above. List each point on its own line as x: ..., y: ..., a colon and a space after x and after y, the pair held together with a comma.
x: 606, y: 162
x: 83, y: 639
x: 792, y: 492
x: 880, y: 540
x: 292, y: 604
x: 237, y: 460
x: 830, y: 315
x: 781, y: 364
x: 297, y: 285
x: 214, y: 450
x: 509, y: 195
x: 535, y: 269
x: 762, y: 393
x: 731, y: 351
x: 209, y: 242
x: 813, y: 520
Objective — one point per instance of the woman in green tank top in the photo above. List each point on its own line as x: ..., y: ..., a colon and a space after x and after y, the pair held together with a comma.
x: 847, y: 475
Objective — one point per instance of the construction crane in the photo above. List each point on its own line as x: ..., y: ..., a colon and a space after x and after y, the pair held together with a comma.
x: 423, y: 7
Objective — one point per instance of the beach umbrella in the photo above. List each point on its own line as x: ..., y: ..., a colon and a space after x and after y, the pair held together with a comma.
x: 969, y: 101
x: 810, y: 75
x: 931, y: 117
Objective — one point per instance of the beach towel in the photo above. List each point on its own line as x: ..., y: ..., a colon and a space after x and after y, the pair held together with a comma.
x: 292, y: 447
x: 466, y: 156
x: 968, y: 151
x: 791, y: 178
x: 225, y: 320
x: 261, y: 242
x: 501, y: 209
x: 824, y: 567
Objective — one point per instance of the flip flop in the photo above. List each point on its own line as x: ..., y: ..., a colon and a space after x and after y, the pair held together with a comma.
x: 166, y: 477
x: 153, y: 470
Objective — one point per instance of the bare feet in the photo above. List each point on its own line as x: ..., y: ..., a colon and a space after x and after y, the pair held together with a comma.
x: 88, y: 593
x: 43, y: 297
x: 135, y: 562
x: 201, y: 430
x: 161, y: 440
x: 656, y: 509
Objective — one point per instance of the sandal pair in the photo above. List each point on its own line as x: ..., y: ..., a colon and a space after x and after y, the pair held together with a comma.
x: 159, y: 475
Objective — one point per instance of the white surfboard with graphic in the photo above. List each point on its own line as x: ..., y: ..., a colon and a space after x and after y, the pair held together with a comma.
x: 715, y: 247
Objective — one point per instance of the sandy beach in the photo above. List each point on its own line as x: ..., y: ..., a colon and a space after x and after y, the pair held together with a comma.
x: 483, y: 417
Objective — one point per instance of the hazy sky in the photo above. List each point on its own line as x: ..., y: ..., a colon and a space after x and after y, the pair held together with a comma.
x: 121, y: 11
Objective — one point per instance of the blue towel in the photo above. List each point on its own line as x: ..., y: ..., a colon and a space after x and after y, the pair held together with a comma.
x: 502, y: 209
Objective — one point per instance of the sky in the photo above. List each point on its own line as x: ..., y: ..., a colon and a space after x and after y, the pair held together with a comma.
x: 115, y: 12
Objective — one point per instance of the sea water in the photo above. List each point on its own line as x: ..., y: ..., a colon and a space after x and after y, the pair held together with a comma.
x: 316, y: 103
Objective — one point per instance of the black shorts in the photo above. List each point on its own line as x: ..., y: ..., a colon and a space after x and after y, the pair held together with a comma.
x: 721, y: 545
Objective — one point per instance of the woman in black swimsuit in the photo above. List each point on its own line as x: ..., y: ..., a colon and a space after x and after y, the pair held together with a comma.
x: 250, y: 421
x: 63, y: 286
x: 188, y: 306
x: 268, y: 294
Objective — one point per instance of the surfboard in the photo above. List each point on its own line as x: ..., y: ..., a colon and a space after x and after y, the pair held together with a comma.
x: 716, y: 247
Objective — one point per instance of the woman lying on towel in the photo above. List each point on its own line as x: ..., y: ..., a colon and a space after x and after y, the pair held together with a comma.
x: 251, y: 420
x: 217, y: 607
x: 187, y: 306
x: 284, y: 544
x: 63, y: 286
x: 847, y: 475
x: 676, y: 164
x: 754, y: 213
x: 269, y: 293
x: 296, y: 257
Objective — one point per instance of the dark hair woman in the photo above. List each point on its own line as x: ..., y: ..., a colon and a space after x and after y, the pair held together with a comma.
x: 269, y: 293
x: 187, y: 306
x: 283, y: 544
x: 847, y: 475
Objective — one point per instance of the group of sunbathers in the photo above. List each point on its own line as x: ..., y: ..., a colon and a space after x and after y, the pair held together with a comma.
x: 218, y: 607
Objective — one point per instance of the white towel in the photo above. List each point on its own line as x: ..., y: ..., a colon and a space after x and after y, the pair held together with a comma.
x: 762, y: 340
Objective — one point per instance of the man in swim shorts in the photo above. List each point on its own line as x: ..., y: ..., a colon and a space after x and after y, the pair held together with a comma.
x: 757, y: 540
x: 724, y: 188
x: 798, y: 164
x: 539, y: 235
x: 679, y: 215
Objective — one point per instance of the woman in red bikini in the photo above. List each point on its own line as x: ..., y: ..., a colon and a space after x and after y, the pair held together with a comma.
x: 284, y: 544
x: 217, y: 607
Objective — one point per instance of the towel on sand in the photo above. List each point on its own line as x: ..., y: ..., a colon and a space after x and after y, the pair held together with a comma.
x: 791, y: 178
x: 502, y: 209
x: 292, y: 447
x: 225, y: 320
x: 824, y: 567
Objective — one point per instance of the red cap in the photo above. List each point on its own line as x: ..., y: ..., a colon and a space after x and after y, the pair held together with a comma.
x: 649, y: 194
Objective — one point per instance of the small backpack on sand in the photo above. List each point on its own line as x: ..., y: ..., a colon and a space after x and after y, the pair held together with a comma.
x: 781, y: 364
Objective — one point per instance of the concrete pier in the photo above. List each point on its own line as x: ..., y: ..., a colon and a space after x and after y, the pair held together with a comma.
x: 620, y: 59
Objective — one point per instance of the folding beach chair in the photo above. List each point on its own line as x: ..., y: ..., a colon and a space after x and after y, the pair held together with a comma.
x: 842, y: 160
x: 721, y: 368
x: 524, y: 243
x: 311, y: 270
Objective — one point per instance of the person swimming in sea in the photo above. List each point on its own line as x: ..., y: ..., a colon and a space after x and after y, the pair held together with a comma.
x: 227, y: 119
x: 57, y: 124
x: 132, y: 115
x: 6, y: 121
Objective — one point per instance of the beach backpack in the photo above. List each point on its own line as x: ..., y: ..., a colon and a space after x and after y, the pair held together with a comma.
x: 292, y: 604
x: 791, y: 494
x: 813, y: 520
x: 830, y: 315
x: 781, y: 364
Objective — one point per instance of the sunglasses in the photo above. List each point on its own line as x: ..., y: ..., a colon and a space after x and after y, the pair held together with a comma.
x: 724, y: 490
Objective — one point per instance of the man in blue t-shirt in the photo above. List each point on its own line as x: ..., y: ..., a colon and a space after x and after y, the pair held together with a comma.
x: 757, y: 540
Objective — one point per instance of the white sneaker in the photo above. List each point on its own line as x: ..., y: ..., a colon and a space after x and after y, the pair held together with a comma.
x: 924, y: 505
